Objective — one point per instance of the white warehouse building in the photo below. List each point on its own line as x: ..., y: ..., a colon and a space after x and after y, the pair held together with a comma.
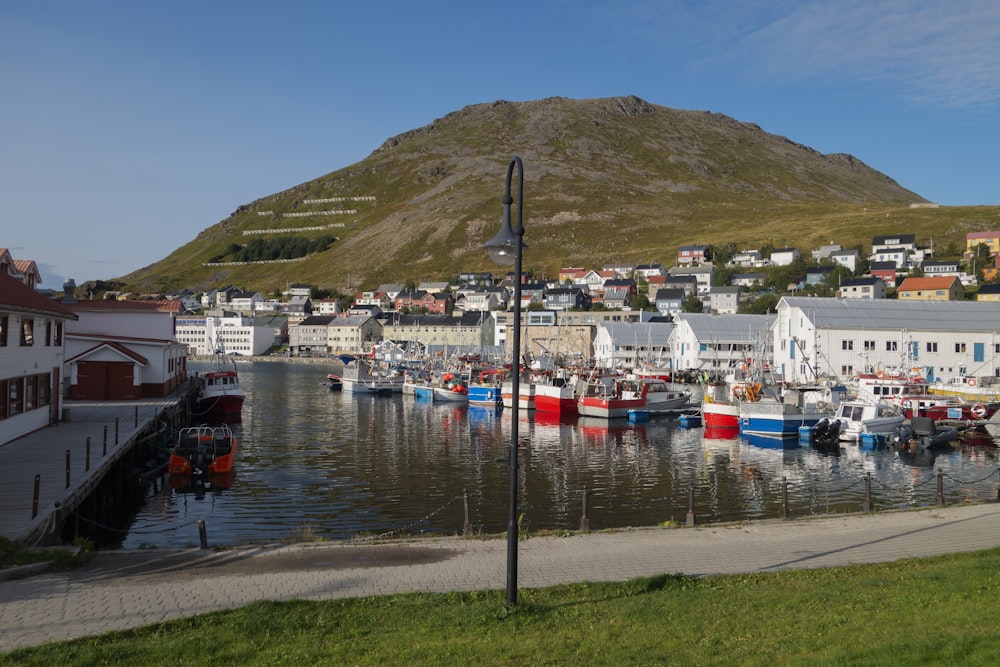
x: 817, y: 337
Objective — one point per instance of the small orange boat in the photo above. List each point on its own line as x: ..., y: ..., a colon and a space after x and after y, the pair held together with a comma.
x: 203, y: 450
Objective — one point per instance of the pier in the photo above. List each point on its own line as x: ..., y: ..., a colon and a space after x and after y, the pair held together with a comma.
x: 49, y: 478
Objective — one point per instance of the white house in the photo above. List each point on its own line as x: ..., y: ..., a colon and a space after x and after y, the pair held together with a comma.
x: 31, y: 358
x: 871, y: 287
x: 846, y: 258
x: 630, y: 344
x: 238, y: 334
x: 826, y: 337
x: 784, y: 256
x: 123, y: 350
x: 707, y: 342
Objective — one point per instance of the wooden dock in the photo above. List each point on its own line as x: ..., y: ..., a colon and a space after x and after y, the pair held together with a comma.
x: 45, y: 475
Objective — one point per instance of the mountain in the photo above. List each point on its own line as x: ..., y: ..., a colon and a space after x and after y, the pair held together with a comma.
x: 605, y: 180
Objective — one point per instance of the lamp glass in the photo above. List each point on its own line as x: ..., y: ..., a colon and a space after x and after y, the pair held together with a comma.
x: 503, y: 246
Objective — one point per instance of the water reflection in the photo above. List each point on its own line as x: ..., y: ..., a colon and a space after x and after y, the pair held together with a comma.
x: 315, y: 463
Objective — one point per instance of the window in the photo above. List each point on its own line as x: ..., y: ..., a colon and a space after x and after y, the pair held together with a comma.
x: 44, y: 390
x: 890, y: 346
x: 960, y: 347
x: 27, y: 332
x: 48, y: 333
x: 847, y: 370
x: 869, y: 346
x: 847, y: 345
x: 30, y: 391
x: 15, y: 396
x: 4, y: 320
x: 931, y: 347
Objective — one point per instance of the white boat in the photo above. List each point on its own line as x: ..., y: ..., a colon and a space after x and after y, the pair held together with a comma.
x: 858, y: 417
x: 659, y: 397
x: 360, y: 378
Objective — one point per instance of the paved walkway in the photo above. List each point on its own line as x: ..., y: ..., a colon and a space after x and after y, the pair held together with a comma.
x: 119, y: 590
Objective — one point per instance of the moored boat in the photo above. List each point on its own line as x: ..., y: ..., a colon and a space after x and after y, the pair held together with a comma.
x: 204, y: 449
x: 602, y: 397
x: 860, y: 416
x: 221, y: 397
x: 782, y: 417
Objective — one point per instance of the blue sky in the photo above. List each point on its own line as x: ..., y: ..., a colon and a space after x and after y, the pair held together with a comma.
x: 130, y: 127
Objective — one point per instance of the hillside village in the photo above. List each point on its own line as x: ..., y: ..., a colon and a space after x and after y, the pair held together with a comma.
x: 833, y: 314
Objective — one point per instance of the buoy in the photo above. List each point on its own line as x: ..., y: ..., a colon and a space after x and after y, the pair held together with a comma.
x: 978, y: 411
x: 971, y: 382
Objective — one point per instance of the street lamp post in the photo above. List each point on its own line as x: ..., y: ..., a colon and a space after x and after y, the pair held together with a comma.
x: 506, y: 248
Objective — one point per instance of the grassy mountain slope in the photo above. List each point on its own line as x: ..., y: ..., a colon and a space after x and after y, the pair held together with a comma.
x: 615, y: 179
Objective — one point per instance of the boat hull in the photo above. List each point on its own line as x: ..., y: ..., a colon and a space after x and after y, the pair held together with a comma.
x: 609, y: 408
x: 720, y: 415
x: 485, y: 395
x: 554, y: 399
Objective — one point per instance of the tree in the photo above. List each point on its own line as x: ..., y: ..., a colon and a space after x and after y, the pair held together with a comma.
x: 763, y: 304
x: 692, y: 304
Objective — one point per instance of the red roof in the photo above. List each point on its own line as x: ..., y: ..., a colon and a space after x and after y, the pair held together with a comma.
x: 927, y: 283
x: 161, y: 306
x: 15, y: 295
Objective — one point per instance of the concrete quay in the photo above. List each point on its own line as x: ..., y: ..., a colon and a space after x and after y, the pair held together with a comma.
x: 57, y: 456
x: 118, y: 590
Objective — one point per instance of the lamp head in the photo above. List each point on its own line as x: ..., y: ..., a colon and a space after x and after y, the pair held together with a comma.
x: 503, y: 246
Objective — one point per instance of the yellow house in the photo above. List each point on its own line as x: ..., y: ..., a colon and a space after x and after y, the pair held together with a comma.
x: 989, y: 239
x: 938, y: 288
x: 989, y: 293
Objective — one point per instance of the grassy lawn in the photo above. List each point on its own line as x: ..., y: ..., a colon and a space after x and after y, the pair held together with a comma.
x: 937, y: 611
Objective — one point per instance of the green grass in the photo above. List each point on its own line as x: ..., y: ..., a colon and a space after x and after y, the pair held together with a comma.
x: 939, y: 611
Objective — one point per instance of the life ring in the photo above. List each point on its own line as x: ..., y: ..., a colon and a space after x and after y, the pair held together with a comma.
x: 971, y: 382
x: 978, y: 411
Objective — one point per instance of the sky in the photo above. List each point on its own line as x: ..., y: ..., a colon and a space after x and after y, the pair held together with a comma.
x: 130, y: 127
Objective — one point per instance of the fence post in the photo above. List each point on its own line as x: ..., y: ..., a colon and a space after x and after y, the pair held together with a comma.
x: 940, y: 489
x: 585, y: 516
x: 67, y: 468
x: 784, y: 499
x: 202, y: 533
x: 105, y: 439
x: 86, y: 458
x: 868, y: 507
x: 137, y: 416
x: 467, y: 526
x: 691, y: 518
x: 34, y: 501
x: 116, y: 431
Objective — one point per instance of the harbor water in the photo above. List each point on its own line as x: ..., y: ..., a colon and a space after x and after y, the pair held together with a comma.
x: 315, y: 464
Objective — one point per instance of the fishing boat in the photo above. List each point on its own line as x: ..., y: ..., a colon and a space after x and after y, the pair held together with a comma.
x: 720, y: 405
x: 783, y: 416
x: 659, y: 397
x: 334, y: 382
x: 914, y: 395
x: 526, y: 391
x: 221, y: 396
x: 555, y: 393
x: 361, y: 377
x: 203, y: 450
x: 451, y: 389
x: 485, y: 389
x: 602, y: 397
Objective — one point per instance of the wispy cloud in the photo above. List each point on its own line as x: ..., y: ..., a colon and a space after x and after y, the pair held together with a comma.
x: 939, y: 53
x: 935, y: 52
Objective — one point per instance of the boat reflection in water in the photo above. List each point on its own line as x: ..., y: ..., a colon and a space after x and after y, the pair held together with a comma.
x: 337, y: 465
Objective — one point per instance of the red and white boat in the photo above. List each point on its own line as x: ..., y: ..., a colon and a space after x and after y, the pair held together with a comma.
x: 614, y: 396
x: 911, y: 393
x: 601, y: 397
x: 555, y: 394
x: 720, y: 407
x: 221, y: 397
x: 526, y: 391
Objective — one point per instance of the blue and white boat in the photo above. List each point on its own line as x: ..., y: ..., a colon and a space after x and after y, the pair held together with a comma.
x: 782, y: 416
